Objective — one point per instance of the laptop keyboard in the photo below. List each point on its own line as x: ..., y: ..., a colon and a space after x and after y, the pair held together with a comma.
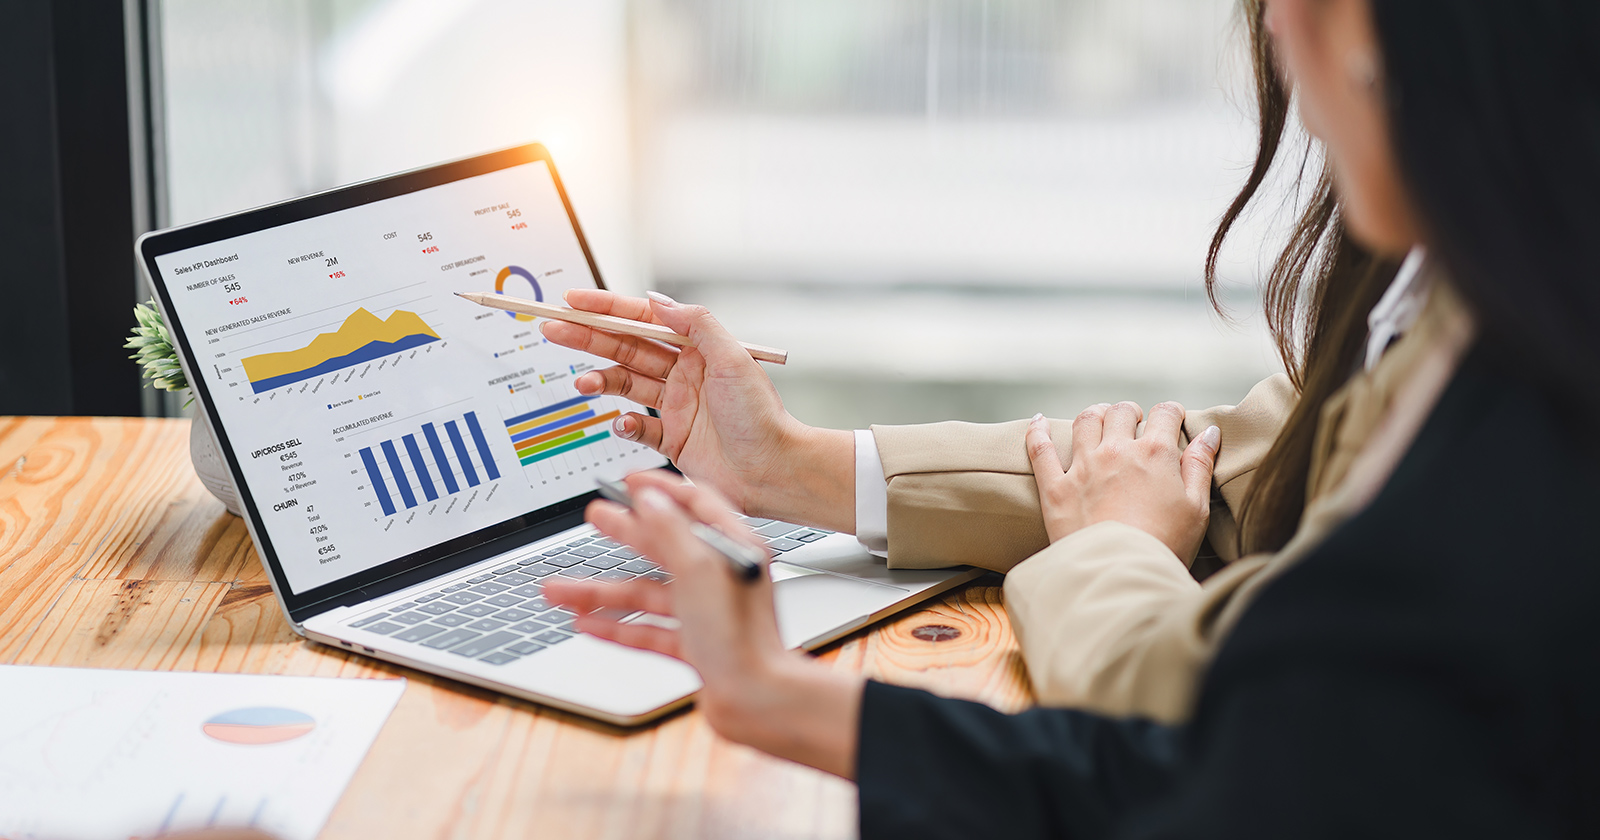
x: 500, y: 616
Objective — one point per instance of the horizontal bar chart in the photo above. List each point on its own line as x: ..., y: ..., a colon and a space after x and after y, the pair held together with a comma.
x: 549, y: 409
x: 557, y: 428
x: 551, y: 453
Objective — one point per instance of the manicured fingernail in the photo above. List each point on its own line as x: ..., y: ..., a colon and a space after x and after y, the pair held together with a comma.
x: 1211, y: 437
x: 1037, y: 418
x: 624, y: 427
x: 1102, y: 405
x: 661, y: 298
x: 653, y: 498
x: 587, y: 384
x: 566, y: 294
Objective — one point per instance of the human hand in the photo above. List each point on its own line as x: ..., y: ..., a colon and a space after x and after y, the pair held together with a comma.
x: 1149, y: 482
x: 756, y: 692
x: 721, y: 421
x: 727, y: 627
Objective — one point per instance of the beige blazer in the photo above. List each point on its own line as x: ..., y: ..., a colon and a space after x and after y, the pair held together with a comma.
x: 1108, y: 618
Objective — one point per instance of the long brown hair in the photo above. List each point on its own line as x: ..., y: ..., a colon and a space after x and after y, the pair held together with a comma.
x: 1316, y: 296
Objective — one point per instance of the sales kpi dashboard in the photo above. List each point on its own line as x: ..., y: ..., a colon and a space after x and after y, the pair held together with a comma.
x: 375, y: 413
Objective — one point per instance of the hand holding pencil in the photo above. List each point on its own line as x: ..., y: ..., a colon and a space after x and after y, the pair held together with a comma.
x: 609, y: 323
x: 720, y: 419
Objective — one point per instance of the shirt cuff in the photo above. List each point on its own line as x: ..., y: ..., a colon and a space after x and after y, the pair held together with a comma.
x: 872, y: 496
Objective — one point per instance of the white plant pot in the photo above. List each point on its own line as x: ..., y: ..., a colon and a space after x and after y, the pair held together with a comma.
x: 209, y: 465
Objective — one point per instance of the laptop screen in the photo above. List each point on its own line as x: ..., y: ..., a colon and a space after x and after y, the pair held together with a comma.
x: 372, y: 413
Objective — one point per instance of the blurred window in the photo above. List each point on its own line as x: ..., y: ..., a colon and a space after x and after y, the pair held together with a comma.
x: 943, y: 208
x: 264, y: 100
x: 954, y: 208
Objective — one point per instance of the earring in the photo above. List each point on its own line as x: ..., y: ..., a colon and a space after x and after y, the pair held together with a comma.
x: 1363, y: 69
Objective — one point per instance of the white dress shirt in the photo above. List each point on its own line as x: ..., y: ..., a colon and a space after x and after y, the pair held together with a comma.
x: 1399, y: 307
x: 1395, y: 312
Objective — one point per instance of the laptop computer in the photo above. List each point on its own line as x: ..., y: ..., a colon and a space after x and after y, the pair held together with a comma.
x: 412, y: 466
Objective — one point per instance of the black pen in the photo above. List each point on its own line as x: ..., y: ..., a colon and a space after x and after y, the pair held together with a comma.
x: 744, y: 560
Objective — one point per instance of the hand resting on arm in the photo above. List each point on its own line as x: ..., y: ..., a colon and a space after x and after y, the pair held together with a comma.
x: 781, y: 701
x: 1149, y: 481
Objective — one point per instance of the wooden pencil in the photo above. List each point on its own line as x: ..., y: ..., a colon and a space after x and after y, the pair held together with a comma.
x: 609, y: 323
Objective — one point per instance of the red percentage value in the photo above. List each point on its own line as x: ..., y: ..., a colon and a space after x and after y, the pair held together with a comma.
x: 238, y: 300
x: 519, y: 225
x: 336, y: 275
x: 431, y: 249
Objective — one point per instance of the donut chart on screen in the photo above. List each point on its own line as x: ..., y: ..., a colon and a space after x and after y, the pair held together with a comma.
x: 517, y: 271
x: 258, y: 725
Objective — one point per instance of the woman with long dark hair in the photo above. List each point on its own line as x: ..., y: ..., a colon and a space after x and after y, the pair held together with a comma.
x: 1410, y: 648
x: 1118, y: 623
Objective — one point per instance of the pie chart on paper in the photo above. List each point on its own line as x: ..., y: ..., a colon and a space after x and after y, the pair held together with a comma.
x: 259, y: 725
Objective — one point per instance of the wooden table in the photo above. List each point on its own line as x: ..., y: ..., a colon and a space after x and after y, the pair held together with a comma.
x: 112, y: 555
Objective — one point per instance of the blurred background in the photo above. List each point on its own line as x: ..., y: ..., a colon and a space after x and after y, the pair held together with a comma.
x: 972, y: 209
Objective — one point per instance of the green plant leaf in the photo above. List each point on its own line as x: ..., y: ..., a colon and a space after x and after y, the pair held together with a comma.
x: 152, y: 344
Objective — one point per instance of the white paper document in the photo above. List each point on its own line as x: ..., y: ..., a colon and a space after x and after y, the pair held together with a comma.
x: 101, y: 755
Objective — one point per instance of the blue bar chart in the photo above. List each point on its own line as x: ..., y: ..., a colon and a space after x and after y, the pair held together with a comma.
x: 417, y: 467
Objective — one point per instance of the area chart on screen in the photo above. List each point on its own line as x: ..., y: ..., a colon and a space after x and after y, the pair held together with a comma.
x: 363, y: 337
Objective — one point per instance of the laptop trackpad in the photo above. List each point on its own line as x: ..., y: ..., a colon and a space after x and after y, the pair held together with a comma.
x: 813, y: 604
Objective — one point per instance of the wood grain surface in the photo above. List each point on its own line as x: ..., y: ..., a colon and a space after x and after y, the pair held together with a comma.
x: 112, y: 555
